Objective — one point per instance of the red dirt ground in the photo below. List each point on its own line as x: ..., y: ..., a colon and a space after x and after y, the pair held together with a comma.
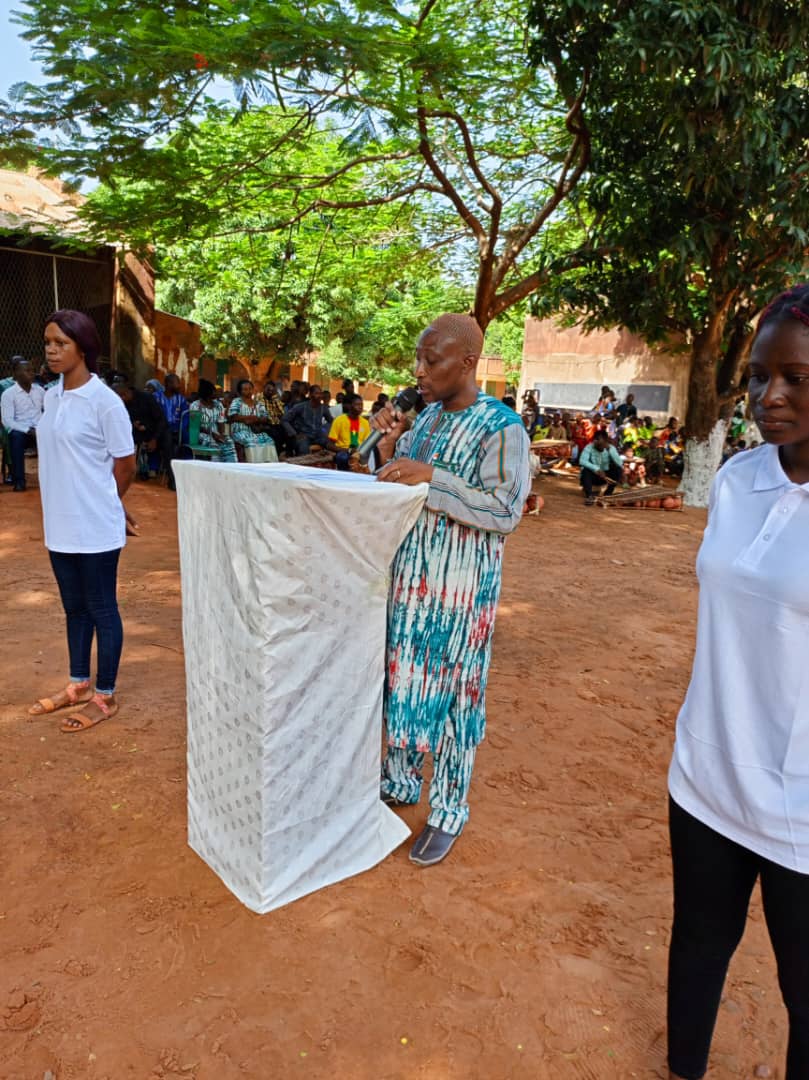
x: 536, y: 952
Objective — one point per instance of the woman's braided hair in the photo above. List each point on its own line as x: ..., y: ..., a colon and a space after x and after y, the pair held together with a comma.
x: 792, y: 304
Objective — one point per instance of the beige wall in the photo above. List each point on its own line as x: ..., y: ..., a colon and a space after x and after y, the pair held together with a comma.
x: 567, y: 357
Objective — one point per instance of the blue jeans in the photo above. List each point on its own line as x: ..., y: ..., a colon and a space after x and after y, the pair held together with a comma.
x: 87, y: 585
x: 17, y: 443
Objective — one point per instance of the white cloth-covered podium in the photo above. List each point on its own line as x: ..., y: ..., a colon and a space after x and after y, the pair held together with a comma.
x: 284, y: 584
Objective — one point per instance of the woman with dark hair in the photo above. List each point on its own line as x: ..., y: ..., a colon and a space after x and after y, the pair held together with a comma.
x: 212, y: 421
x: 249, y: 421
x: 739, y: 779
x: 86, y: 464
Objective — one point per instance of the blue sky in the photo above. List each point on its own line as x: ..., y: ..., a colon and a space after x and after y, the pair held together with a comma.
x: 16, y: 64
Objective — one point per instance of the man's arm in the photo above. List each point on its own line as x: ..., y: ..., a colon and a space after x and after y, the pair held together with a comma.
x: 496, y: 504
x: 586, y: 459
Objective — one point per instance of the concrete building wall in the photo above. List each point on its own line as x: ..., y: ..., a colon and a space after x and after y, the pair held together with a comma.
x: 569, y: 368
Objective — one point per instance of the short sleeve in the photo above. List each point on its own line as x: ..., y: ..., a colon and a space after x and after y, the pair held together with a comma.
x: 117, y: 429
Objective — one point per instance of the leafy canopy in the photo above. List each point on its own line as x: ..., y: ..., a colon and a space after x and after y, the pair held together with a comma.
x: 698, y: 199
x: 435, y: 103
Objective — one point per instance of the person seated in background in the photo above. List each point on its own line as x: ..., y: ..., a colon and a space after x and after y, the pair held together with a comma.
x: 530, y: 412
x: 21, y: 410
x: 671, y: 428
x: 630, y: 432
x: 150, y: 429
x: 212, y: 422
x: 627, y: 410
x: 605, y: 404
x: 673, y: 453
x: 249, y: 423
x: 633, y: 473
x: 510, y: 400
x: 541, y: 429
x: 45, y: 377
x: 279, y: 428
x: 581, y: 433
x: 647, y: 429
x: 600, y: 464
x: 348, y: 432
x: 557, y: 429
x: 172, y: 403
x: 653, y: 460
x: 308, y: 418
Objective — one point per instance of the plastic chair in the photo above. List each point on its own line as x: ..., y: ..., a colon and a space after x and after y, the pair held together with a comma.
x: 193, y: 444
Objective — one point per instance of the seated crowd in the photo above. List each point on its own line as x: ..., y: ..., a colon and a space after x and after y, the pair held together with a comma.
x: 239, y: 426
x: 611, y: 444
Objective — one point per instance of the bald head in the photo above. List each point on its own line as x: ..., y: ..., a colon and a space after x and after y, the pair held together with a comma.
x: 446, y: 361
x: 462, y: 329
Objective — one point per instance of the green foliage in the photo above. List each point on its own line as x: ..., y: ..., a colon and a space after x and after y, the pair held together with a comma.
x: 434, y: 104
x: 356, y: 285
x: 697, y: 198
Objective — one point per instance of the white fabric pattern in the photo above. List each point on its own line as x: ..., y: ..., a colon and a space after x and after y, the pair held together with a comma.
x: 283, y: 782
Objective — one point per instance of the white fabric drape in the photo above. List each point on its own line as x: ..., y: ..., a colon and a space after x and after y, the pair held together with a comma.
x: 285, y: 585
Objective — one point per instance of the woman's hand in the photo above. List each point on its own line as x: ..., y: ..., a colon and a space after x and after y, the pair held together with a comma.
x: 405, y: 471
x: 132, y: 527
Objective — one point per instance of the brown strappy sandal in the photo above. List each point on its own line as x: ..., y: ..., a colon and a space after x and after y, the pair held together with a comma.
x: 96, y: 710
x: 73, y: 694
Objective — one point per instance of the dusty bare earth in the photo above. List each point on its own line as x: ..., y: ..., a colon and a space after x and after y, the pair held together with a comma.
x: 538, y: 950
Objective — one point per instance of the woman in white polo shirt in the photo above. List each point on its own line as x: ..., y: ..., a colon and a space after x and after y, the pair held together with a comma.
x: 739, y: 780
x: 86, y: 464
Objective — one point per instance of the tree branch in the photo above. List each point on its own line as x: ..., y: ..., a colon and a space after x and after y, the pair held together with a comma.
x: 446, y: 187
x: 565, y: 184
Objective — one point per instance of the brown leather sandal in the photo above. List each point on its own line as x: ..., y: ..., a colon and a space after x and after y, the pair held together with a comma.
x: 99, y: 707
x: 73, y: 694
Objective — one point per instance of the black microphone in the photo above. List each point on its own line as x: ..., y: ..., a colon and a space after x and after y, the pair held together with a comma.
x: 404, y: 401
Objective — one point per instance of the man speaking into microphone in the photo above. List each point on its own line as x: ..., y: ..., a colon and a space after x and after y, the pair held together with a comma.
x: 473, y: 452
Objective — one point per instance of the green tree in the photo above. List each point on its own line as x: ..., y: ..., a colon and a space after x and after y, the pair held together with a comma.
x: 262, y: 280
x: 435, y: 102
x: 697, y: 200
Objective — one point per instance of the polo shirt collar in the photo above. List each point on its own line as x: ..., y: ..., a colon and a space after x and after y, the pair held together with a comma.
x: 770, y: 473
x: 85, y: 391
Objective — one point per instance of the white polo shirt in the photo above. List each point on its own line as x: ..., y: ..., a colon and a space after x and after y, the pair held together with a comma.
x: 741, y: 757
x: 79, y: 435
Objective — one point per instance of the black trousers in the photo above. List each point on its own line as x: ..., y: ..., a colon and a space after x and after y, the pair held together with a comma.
x: 713, y: 880
x: 589, y: 480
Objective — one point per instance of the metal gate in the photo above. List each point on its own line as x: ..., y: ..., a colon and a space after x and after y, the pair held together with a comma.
x: 35, y: 283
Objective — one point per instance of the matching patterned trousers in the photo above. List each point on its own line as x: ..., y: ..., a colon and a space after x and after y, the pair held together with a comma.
x: 449, y: 787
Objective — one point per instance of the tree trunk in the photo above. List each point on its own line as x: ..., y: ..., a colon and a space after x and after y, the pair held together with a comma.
x: 702, y: 458
x: 705, y: 431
